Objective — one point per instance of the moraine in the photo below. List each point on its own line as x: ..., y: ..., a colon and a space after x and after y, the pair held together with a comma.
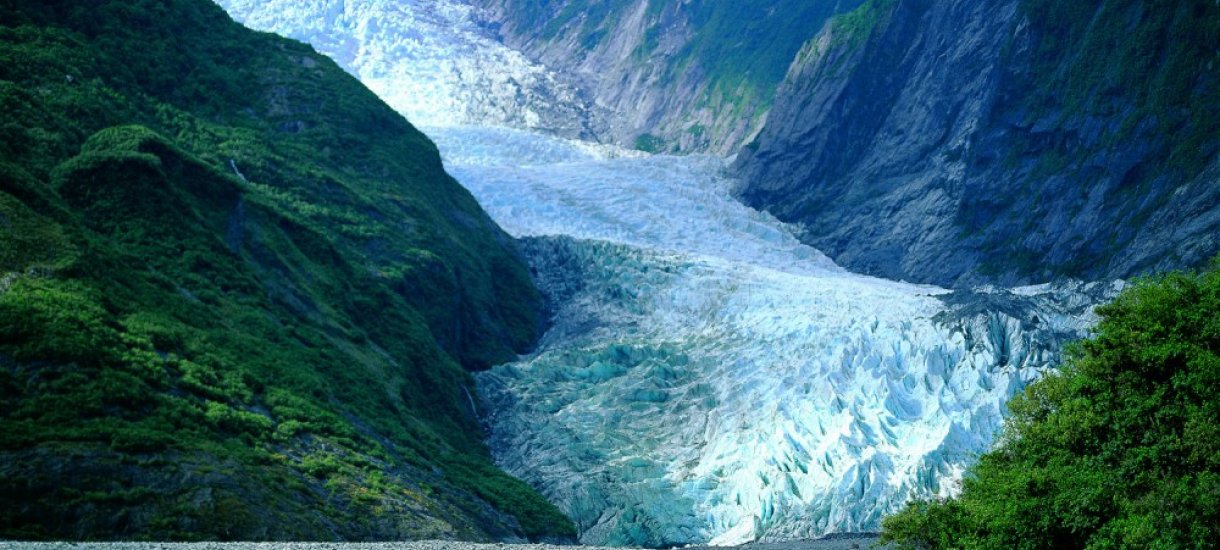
x: 706, y: 376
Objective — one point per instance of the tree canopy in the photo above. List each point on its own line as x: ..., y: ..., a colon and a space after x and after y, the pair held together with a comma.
x: 1119, y: 449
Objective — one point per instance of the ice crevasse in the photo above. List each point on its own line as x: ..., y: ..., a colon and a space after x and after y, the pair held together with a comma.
x: 709, y: 378
x: 705, y: 376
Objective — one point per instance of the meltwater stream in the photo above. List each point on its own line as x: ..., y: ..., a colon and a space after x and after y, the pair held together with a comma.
x: 706, y: 376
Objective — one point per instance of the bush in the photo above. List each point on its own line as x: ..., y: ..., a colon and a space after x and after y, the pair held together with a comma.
x: 1120, y: 449
x: 54, y: 321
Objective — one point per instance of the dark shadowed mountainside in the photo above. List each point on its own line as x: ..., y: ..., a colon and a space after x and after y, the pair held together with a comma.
x: 1010, y: 142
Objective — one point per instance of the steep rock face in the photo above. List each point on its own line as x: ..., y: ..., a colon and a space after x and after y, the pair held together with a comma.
x: 673, y: 75
x: 958, y: 142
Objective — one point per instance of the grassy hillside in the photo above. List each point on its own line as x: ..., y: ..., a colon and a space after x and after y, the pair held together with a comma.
x: 239, y: 296
x: 1121, y: 449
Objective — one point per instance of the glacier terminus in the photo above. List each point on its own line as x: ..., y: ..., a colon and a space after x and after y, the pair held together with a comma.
x: 705, y: 377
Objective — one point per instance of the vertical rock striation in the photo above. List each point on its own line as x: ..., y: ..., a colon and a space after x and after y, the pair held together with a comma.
x: 676, y: 76
x: 1012, y: 141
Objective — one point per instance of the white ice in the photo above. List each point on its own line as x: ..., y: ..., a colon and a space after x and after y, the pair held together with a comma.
x: 707, y: 377
x: 713, y: 379
x: 538, y: 185
x: 429, y: 59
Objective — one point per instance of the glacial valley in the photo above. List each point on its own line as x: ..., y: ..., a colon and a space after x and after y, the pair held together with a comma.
x: 706, y: 376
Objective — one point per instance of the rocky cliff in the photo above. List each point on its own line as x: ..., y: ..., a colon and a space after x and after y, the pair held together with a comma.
x: 674, y: 76
x: 1012, y: 141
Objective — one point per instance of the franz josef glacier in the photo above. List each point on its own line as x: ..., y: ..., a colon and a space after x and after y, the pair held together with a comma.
x: 706, y: 377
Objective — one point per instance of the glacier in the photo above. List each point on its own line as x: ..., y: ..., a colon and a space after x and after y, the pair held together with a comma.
x: 432, y: 60
x: 705, y: 376
x: 709, y: 378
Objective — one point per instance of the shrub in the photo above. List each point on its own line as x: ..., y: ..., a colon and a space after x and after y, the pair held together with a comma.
x: 1119, y: 449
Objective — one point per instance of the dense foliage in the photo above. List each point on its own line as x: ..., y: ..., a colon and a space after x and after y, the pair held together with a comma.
x: 237, y: 293
x: 1120, y: 449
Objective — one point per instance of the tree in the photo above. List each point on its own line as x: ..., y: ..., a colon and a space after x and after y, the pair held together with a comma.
x: 1119, y: 449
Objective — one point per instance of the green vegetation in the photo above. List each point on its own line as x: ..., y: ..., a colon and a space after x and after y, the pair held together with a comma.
x: 851, y: 29
x: 746, y: 47
x: 649, y: 143
x: 239, y: 296
x: 1120, y: 449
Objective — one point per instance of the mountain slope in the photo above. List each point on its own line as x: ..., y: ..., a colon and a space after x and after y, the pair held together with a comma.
x: 676, y: 76
x: 959, y: 142
x: 237, y: 294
